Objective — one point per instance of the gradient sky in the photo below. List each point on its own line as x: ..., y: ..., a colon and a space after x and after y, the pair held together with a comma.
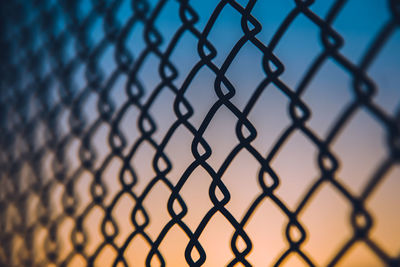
x: 360, y: 147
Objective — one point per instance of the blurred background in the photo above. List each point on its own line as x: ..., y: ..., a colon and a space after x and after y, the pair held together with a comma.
x: 203, y: 133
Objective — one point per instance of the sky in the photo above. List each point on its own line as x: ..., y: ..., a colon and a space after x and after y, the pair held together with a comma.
x: 360, y: 146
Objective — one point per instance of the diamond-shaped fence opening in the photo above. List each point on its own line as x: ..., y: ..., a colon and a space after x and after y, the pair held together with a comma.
x: 199, y: 133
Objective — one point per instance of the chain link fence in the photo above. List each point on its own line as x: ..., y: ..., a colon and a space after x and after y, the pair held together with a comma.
x: 86, y: 89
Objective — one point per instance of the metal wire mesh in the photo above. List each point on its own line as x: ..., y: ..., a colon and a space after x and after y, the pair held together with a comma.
x: 58, y: 96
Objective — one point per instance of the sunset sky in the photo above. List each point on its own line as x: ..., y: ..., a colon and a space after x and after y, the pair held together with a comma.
x: 360, y: 147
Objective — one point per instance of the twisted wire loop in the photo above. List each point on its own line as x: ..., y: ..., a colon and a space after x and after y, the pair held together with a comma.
x: 52, y: 71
